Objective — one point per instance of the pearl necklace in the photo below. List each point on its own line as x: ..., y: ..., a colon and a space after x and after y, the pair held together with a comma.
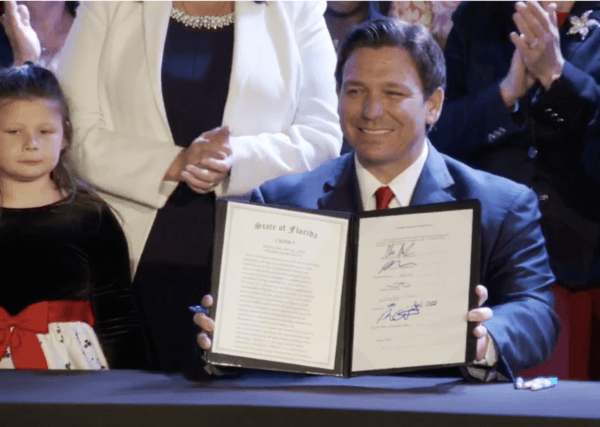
x: 208, y: 22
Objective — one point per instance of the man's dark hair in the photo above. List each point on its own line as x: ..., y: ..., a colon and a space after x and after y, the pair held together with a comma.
x: 414, y: 38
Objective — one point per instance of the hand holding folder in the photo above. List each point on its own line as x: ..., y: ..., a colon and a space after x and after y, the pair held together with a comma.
x: 479, y: 315
x: 337, y: 294
x: 204, y: 322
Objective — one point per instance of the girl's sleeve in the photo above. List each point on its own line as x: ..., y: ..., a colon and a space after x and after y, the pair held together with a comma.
x: 118, y: 323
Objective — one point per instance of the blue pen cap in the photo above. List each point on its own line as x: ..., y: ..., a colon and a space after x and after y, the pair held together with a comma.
x: 198, y: 309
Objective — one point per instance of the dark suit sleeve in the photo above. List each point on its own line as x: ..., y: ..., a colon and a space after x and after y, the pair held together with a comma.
x: 118, y: 324
x: 518, y: 277
x: 478, y: 55
x: 591, y: 154
x: 473, y: 115
x: 256, y: 196
x: 572, y: 106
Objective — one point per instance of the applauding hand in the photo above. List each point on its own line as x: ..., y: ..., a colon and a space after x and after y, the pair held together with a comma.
x: 205, y: 163
x: 23, y: 39
x: 517, y: 82
x: 209, y: 160
x: 538, y: 41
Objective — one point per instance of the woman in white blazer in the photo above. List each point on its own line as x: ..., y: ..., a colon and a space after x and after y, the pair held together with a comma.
x: 280, y: 109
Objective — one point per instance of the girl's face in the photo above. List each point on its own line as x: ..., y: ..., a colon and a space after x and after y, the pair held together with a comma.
x: 31, y: 139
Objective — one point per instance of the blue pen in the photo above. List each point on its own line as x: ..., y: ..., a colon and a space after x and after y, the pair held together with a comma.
x: 198, y: 309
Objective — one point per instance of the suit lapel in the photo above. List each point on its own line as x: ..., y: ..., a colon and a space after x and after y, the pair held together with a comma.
x: 341, y: 192
x: 570, y: 44
x: 435, y: 181
x: 156, y: 23
x: 249, y: 18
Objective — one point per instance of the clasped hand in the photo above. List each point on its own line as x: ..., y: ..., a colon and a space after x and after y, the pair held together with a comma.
x: 205, y: 163
x: 23, y: 40
x: 479, y: 315
x: 537, y: 56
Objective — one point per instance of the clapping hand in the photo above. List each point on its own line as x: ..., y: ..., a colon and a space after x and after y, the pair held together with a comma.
x: 209, y: 160
x: 205, y: 163
x: 23, y: 39
x: 538, y: 41
x: 517, y: 82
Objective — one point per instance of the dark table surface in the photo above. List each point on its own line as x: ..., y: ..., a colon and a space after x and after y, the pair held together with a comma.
x: 132, y: 398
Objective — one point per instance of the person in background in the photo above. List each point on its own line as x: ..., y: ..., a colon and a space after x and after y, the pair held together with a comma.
x: 34, y: 31
x: 341, y: 16
x: 66, y: 286
x: 523, y: 101
x: 435, y: 15
x: 591, y: 159
x: 391, y: 77
x: 177, y: 103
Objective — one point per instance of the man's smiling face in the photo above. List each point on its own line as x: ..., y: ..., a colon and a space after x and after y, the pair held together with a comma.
x: 383, y: 111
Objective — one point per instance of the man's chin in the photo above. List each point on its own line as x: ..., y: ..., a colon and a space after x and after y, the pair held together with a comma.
x: 373, y: 159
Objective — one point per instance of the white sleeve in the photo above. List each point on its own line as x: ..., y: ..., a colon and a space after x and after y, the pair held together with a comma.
x: 129, y: 166
x: 314, y: 135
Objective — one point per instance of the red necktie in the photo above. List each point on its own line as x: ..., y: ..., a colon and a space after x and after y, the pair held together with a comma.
x: 383, y: 196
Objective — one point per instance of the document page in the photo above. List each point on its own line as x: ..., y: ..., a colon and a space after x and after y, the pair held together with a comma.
x: 280, y: 285
x: 412, y: 291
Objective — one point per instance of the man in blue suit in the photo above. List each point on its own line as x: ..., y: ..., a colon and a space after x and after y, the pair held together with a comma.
x: 391, y: 78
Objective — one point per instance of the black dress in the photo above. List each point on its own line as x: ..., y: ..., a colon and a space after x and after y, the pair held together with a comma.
x: 73, y: 250
x: 175, y: 266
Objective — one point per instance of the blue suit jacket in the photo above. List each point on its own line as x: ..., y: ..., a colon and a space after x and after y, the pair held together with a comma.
x: 514, y: 262
x: 552, y: 144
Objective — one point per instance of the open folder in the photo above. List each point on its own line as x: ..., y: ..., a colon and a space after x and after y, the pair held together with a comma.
x: 340, y: 294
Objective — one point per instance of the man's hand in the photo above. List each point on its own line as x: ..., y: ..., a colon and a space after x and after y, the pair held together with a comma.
x: 480, y: 315
x: 539, y: 41
x: 206, y: 324
x: 23, y: 39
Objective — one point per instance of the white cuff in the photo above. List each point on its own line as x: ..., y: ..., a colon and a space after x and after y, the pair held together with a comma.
x: 491, y: 354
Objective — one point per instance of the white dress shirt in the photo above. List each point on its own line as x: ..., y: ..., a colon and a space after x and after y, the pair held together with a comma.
x: 403, y: 186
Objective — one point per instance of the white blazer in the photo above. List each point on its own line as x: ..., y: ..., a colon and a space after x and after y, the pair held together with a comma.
x: 281, y: 107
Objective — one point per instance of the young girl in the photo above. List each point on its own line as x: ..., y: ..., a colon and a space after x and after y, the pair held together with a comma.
x: 65, y: 298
